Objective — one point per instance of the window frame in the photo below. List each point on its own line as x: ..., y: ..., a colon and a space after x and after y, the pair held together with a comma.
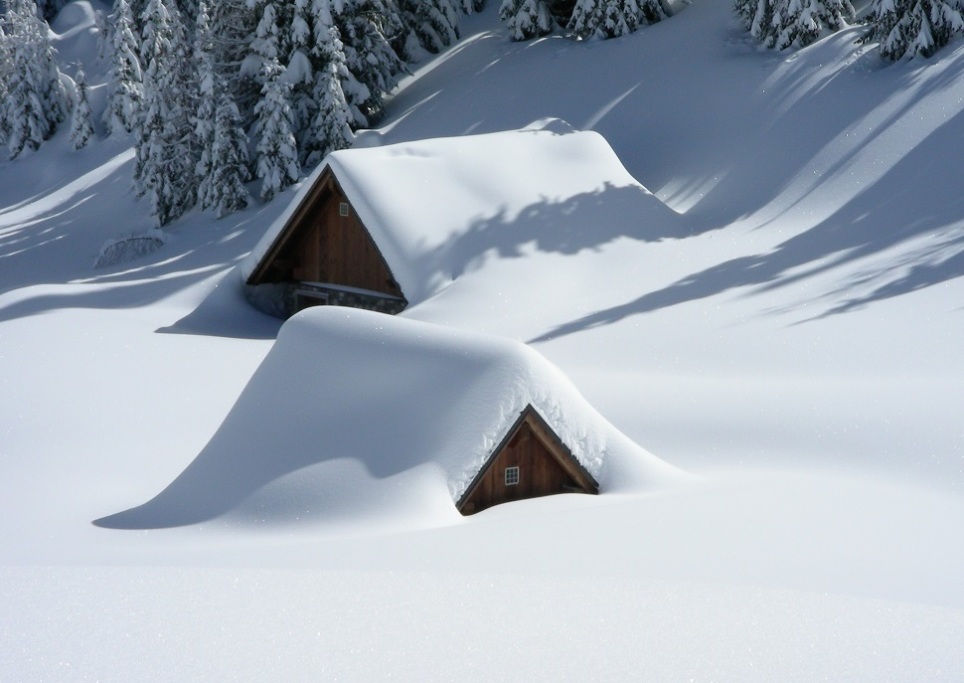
x: 512, y: 475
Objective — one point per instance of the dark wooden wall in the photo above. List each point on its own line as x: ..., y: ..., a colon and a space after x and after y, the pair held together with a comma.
x: 337, y: 249
x: 540, y: 473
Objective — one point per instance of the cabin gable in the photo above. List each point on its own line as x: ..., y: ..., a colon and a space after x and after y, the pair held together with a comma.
x: 530, y: 462
x: 326, y: 255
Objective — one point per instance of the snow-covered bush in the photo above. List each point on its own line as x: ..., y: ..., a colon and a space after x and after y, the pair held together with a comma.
x: 129, y: 247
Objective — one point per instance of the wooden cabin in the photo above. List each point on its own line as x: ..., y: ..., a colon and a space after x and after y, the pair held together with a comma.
x: 324, y: 254
x: 531, y: 461
x: 386, y: 227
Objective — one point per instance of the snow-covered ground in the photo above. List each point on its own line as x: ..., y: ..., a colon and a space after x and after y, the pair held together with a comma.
x: 790, y: 342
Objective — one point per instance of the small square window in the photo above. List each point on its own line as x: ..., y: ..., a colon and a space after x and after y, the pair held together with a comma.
x: 511, y: 476
x: 343, y: 209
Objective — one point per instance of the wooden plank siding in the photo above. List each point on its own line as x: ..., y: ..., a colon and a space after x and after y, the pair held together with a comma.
x: 546, y: 467
x: 319, y: 244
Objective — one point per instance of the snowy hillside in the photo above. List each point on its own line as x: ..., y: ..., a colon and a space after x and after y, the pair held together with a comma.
x: 786, y: 347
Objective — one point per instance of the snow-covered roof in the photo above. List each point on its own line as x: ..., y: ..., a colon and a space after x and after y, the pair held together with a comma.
x: 356, y: 412
x: 432, y: 206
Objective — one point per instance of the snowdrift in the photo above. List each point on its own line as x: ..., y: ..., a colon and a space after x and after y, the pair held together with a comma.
x: 439, y: 207
x: 356, y: 414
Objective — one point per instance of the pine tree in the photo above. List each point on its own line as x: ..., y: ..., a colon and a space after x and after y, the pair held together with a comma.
x: 757, y: 16
x: 613, y: 18
x: 277, y: 149
x: 48, y: 8
x: 431, y: 24
x: 165, y: 165
x: 81, y: 124
x: 36, y: 100
x: 6, y: 59
x: 103, y: 34
x: 233, y: 25
x: 781, y: 24
x: 222, y: 144
x: 125, y: 91
x: 470, y: 6
x: 330, y: 128
x: 300, y: 71
x: 907, y: 28
x: 204, y: 118
x: 229, y: 160
x: 367, y: 29
x: 526, y: 19
x: 800, y: 22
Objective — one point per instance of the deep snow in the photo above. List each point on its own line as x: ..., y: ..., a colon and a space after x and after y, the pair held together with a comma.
x: 796, y: 350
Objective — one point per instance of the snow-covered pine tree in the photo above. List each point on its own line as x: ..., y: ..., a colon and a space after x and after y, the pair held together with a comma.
x: 103, y: 33
x: 5, y: 61
x: 613, y: 18
x: 165, y: 164
x: 204, y: 117
x: 757, y: 16
x: 781, y: 24
x: 48, y: 8
x: 470, y: 6
x: 81, y: 124
x: 330, y: 129
x: 36, y: 100
x: 526, y: 19
x: 800, y: 22
x: 431, y: 24
x: 367, y: 29
x: 300, y: 71
x: 233, y: 25
x: 229, y: 160
x: 277, y: 162
x: 907, y: 28
x: 125, y: 92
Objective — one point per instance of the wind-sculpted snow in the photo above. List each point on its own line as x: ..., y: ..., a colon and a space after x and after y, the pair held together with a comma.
x: 359, y: 414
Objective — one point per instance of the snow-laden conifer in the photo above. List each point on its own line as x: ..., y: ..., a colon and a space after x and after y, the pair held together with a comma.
x: 233, y: 25
x: 48, y: 9
x: 366, y: 28
x: 277, y: 150
x: 526, y: 19
x: 330, y: 128
x: 907, y: 28
x: 612, y: 18
x: 124, y: 82
x: 470, y: 6
x: 36, y: 99
x: 103, y: 33
x: 81, y: 123
x: 5, y: 63
x: 204, y: 116
x: 300, y: 70
x: 165, y: 165
x: 229, y: 160
x: 780, y: 24
x: 432, y: 24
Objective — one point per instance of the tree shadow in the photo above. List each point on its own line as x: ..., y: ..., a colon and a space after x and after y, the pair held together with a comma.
x: 895, y: 211
x: 586, y: 221
x: 49, y: 241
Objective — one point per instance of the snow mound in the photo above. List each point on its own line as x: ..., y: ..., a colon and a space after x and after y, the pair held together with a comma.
x: 355, y: 414
x: 439, y: 207
x: 129, y: 247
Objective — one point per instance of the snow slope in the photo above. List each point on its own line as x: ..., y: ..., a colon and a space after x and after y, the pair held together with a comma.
x: 795, y: 349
